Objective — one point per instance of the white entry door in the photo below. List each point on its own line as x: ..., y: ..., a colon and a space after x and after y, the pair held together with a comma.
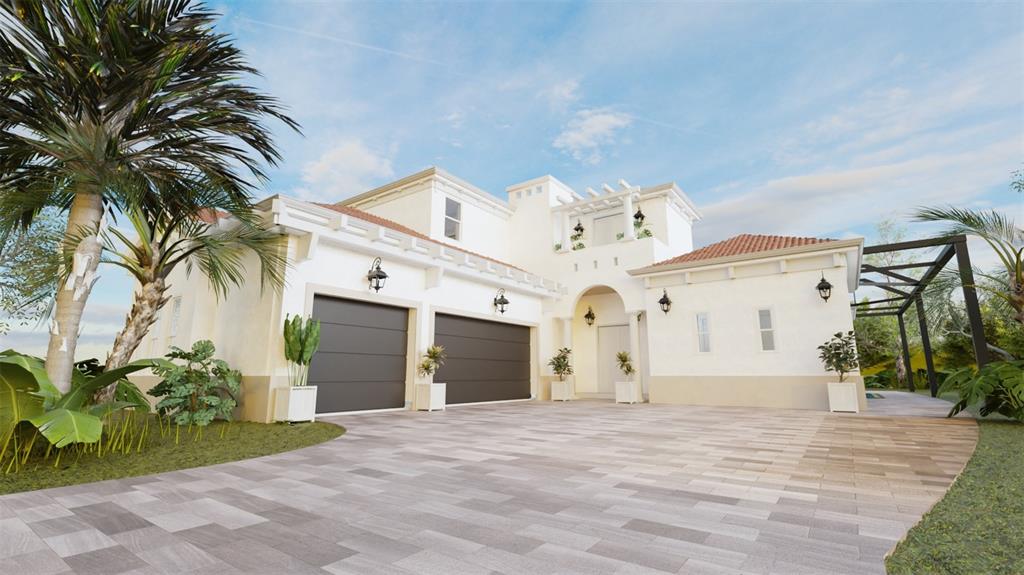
x: 611, y: 339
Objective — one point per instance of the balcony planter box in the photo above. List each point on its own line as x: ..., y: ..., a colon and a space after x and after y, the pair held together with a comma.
x: 295, y: 403
x: 430, y: 396
x: 842, y: 396
x: 625, y: 392
x: 561, y: 390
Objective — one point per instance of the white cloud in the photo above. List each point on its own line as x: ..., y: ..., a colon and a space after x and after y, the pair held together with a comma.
x: 347, y: 169
x: 455, y: 119
x: 563, y: 93
x: 589, y: 131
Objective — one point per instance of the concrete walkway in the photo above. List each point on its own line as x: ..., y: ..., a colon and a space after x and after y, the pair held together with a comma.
x: 584, y: 487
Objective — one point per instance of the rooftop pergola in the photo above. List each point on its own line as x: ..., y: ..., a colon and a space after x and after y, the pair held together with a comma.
x: 907, y: 291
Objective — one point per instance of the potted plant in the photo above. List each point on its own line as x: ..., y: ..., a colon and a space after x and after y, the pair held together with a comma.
x: 561, y: 390
x: 430, y: 395
x: 297, y: 402
x: 839, y: 354
x: 625, y: 391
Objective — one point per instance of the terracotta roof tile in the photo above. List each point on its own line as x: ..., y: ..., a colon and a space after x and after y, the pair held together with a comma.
x: 742, y: 244
x: 393, y: 225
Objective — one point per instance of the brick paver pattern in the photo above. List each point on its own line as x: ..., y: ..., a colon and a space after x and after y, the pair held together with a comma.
x: 581, y: 487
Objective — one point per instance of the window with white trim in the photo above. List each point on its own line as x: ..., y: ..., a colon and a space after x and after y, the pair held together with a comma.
x: 766, y: 325
x: 703, y: 333
x: 452, y: 219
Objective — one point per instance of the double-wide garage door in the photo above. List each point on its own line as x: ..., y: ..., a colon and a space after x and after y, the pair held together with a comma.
x: 487, y: 361
x: 362, y: 360
x: 362, y: 356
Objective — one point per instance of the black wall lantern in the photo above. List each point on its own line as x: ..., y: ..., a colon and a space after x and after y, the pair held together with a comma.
x: 579, y: 227
x: 665, y: 302
x: 376, y: 276
x: 824, y: 288
x: 589, y: 316
x: 500, y: 301
x: 639, y: 217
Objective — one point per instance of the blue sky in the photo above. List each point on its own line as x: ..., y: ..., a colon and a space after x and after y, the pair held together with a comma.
x: 803, y: 119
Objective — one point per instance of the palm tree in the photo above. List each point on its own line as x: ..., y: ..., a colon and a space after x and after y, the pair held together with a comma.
x: 162, y: 242
x: 1005, y: 238
x: 104, y: 103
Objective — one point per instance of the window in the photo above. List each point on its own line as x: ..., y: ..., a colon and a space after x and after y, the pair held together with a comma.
x: 452, y: 219
x: 703, y: 333
x: 766, y: 324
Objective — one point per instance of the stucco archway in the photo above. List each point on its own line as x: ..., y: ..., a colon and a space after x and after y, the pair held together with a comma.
x: 594, y: 346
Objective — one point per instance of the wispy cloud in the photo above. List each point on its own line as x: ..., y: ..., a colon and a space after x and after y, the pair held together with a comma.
x: 348, y: 168
x: 589, y: 131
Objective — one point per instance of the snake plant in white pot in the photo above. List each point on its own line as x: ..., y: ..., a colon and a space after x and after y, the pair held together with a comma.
x: 297, y: 402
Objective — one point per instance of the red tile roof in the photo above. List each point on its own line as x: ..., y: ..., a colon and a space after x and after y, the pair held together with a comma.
x: 386, y: 223
x: 742, y: 244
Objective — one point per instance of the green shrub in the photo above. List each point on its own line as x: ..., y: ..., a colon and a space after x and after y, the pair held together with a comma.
x: 560, y: 363
x: 198, y: 391
x: 998, y: 387
x: 839, y: 354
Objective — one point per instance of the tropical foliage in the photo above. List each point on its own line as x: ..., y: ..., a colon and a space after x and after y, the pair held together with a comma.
x: 839, y: 354
x: 201, y: 389
x: 29, y: 264
x: 998, y: 387
x: 625, y: 364
x: 301, y: 340
x: 431, y: 361
x: 110, y: 104
x: 560, y: 364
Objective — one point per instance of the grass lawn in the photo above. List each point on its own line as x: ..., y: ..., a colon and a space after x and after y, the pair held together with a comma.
x: 242, y: 440
x: 976, y: 527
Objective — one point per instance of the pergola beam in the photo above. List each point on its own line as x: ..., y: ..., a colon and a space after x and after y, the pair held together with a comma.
x: 874, y: 301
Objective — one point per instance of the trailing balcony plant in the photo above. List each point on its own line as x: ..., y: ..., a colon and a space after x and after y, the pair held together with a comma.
x: 301, y: 340
x: 839, y: 354
x: 560, y: 364
x: 576, y: 240
x: 199, y: 390
x: 625, y: 364
x: 431, y: 361
x: 640, y: 230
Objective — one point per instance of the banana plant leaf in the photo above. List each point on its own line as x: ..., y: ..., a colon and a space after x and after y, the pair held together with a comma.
x: 19, y: 399
x: 83, y: 389
x: 129, y: 393
x: 62, y: 427
x: 37, y: 368
x: 102, y: 409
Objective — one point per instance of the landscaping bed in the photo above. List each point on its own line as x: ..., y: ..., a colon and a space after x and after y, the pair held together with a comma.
x: 160, y: 453
x: 976, y: 527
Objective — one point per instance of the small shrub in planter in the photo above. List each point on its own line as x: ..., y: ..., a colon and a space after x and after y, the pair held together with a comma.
x: 625, y: 364
x: 199, y: 390
x: 839, y: 354
x: 560, y: 363
x: 431, y: 361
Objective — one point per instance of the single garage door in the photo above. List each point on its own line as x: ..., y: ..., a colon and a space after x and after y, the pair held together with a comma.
x: 487, y: 361
x: 361, y: 360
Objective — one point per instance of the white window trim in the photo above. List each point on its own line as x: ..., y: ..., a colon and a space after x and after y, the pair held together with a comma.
x: 696, y: 326
x: 458, y: 221
x: 774, y: 329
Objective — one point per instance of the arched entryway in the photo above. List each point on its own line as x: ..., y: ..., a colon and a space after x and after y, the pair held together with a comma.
x: 611, y: 329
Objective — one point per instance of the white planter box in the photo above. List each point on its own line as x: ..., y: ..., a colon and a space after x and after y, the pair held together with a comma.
x: 625, y: 392
x: 561, y: 390
x: 430, y: 396
x: 295, y: 403
x: 843, y: 396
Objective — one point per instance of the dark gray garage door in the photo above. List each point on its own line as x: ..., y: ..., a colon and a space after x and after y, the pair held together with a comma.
x: 361, y: 360
x: 487, y: 361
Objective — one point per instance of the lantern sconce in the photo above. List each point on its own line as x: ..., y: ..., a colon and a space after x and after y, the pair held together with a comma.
x: 824, y: 288
x: 579, y: 227
x: 589, y: 317
x: 376, y: 276
x: 665, y: 302
x: 500, y: 301
x: 639, y: 216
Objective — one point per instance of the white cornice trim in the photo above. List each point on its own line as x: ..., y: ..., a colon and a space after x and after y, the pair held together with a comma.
x: 750, y: 258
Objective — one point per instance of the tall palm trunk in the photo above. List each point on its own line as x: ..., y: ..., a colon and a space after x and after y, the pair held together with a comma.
x: 83, y: 222
x: 148, y: 300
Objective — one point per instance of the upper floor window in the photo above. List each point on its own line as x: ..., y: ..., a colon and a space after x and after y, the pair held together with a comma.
x: 452, y: 219
x: 766, y: 324
x: 703, y: 333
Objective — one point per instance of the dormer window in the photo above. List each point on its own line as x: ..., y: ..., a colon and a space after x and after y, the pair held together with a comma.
x: 452, y: 219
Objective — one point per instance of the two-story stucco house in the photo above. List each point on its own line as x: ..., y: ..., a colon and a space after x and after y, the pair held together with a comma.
x: 736, y: 322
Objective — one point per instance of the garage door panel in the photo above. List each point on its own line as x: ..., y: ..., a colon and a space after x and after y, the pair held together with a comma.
x: 336, y: 338
x: 357, y: 313
x: 359, y: 395
x: 486, y: 360
x: 468, y: 348
x: 344, y: 367
x: 484, y: 370
x: 480, y: 329
x: 361, y: 362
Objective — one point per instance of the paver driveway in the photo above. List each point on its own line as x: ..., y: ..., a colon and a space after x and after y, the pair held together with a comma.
x: 584, y: 487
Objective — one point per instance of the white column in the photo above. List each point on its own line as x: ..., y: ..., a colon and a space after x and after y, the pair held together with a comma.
x: 565, y: 230
x: 634, y: 353
x: 424, y: 337
x: 627, y: 217
x: 567, y: 332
